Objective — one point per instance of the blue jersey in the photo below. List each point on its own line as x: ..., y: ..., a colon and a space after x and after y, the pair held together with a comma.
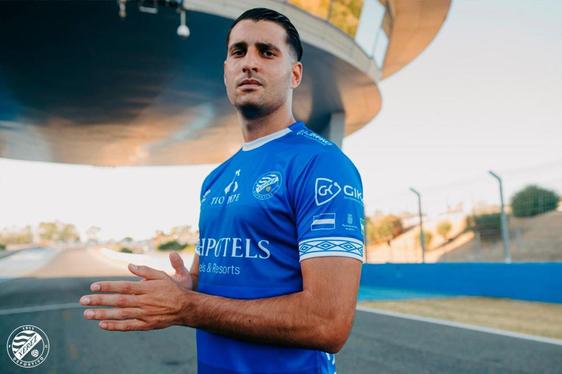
x: 281, y: 199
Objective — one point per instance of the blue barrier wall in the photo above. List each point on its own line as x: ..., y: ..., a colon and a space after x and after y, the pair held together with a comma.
x: 526, y: 281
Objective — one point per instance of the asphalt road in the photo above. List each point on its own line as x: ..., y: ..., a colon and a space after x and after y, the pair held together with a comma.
x: 378, y: 343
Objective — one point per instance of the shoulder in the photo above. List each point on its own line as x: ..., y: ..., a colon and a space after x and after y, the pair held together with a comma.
x: 307, y: 144
x: 315, y: 161
x: 312, y: 151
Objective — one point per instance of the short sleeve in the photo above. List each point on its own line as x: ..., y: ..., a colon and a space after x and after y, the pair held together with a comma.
x: 328, y: 204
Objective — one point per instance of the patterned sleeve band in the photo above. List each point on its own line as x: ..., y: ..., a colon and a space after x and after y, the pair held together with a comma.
x: 331, y: 246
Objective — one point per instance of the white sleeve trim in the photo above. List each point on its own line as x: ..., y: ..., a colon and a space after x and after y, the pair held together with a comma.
x: 331, y: 246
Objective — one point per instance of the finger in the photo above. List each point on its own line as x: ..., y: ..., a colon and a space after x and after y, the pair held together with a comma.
x: 124, y: 287
x: 177, y: 263
x: 126, y: 325
x: 113, y: 314
x: 117, y: 300
x: 147, y: 272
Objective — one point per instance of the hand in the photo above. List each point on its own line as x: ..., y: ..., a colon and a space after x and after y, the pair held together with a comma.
x: 155, y: 303
x: 182, y: 275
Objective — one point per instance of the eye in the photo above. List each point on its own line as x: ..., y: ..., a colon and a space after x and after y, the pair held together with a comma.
x: 237, y: 52
x: 268, y: 53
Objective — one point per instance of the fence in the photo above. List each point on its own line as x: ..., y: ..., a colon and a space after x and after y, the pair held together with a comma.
x: 462, y: 222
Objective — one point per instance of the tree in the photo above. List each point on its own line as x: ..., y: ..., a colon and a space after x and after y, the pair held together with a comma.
x: 57, y: 231
x: 383, y: 229
x: 16, y: 236
x: 533, y: 200
x: 487, y: 225
x: 428, y: 236
x: 172, y: 245
x: 68, y: 233
x: 443, y: 229
x: 48, y: 231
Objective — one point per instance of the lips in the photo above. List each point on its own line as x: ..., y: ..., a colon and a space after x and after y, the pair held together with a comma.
x: 249, y: 82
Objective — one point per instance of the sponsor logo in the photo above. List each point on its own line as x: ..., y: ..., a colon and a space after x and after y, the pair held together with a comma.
x: 325, y: 190
x: 205, y: 196
x: 233, y: 248
x: 230, y: 196
x: 233, y: 184
x: 314, y: 136
x: 353, y: 193
x: 325, y: 221
x: 28, y: 346
x: 349, y: 223
x: 212, y: 267
x: 267, y: 185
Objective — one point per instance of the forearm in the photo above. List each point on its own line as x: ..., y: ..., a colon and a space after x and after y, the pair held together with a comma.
x: 292, y: 320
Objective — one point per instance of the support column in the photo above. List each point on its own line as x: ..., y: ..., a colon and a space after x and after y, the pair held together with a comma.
x: 335, y: 130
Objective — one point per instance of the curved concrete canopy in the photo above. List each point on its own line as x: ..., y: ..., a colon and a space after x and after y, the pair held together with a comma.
x: 412, y: 25
x: 80, y: 85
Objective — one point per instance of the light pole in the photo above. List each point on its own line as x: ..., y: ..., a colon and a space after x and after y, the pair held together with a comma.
x: 422, y: 236
x: 503, y: 217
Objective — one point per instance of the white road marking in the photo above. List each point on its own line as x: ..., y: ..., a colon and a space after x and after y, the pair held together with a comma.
x: 460, y: 325
x: 39, y: 308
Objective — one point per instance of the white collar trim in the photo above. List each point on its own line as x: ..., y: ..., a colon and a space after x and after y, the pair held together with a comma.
x: 265, y: 139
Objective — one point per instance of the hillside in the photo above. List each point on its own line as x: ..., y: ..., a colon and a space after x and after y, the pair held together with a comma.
x: 535, y: 239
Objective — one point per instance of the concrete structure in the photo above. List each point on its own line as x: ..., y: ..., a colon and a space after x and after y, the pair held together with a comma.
x: 112, y: 83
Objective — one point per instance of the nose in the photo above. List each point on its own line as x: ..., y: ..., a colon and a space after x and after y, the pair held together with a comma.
x: 251, y: 62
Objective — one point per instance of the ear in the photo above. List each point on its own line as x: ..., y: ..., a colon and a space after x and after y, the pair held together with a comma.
x: 223, y: 73
x: 296, y: 76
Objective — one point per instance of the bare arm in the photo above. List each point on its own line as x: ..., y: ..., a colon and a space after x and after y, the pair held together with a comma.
x: 319, y: 317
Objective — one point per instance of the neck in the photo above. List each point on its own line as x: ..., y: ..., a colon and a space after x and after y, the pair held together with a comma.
x: 255, y: 128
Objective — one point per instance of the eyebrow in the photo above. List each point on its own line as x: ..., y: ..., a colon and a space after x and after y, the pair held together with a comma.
x: 260, y: 45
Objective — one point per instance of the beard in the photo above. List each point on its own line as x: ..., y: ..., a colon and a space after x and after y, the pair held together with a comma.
x: 254, y: 110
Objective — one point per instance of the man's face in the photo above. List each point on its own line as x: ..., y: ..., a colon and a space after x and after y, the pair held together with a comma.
x: 260, y: 69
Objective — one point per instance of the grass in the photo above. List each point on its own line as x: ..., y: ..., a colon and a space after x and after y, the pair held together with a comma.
x: 533, y: 318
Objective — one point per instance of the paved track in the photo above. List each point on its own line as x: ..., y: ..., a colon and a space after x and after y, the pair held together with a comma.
x: 378, y: 344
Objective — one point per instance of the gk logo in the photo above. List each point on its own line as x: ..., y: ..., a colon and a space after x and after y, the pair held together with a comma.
x: 325, y: 190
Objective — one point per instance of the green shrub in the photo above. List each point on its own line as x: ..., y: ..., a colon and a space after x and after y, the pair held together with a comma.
x: 384, y: 229
x: 428, y: 236
x: 487, y: 225
x: 2, y: 247
x: 172, y: 245
x: 533, y: 200
x: 444, y: 228
x: 189, y: 248
x: 126, y: 250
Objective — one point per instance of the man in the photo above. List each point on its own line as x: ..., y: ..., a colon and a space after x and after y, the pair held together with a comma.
x: 274, y: 282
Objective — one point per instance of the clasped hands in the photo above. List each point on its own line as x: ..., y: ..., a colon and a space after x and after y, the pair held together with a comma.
x: 157, y: 301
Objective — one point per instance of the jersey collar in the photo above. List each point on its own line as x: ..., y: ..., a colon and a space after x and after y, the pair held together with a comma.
x: 276, y: 135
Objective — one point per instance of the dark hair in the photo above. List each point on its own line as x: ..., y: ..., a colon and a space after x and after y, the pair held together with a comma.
x: 264, y: 14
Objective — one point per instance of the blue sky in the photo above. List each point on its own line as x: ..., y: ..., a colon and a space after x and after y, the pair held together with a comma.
x: 486, y: 94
